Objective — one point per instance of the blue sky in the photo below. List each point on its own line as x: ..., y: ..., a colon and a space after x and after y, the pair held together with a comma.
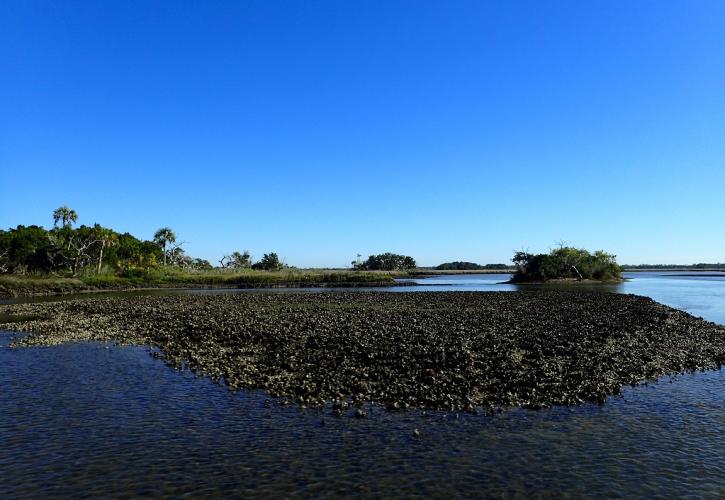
x: 443, y: 130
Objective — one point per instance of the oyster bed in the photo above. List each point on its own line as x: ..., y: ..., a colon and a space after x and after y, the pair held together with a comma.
x: 452, y: 350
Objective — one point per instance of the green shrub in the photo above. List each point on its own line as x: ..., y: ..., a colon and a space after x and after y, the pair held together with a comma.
x: 566, y: 263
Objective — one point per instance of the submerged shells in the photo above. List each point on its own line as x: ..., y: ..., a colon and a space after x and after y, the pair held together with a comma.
x: 454, y: 351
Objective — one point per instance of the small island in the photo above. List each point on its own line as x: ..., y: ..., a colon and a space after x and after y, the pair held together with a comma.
x: 566, y: 264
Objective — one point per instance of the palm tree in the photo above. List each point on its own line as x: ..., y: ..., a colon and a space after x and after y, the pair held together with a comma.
x: 163, y: 237
x: 107, y: 238
x: 66, y: 215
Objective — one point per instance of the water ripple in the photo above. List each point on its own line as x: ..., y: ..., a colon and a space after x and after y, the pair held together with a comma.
x: 98, y: 420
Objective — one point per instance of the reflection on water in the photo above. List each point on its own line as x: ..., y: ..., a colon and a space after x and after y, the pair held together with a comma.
x: 94, y: 419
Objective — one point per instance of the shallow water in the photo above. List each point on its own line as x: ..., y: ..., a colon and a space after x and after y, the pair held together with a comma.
x: 94, y: 419
x: 700, y: 294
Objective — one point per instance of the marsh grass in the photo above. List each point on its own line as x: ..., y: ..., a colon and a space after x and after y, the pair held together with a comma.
x: 15, y: 285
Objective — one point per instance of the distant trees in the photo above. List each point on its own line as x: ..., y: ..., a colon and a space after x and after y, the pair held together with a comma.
x: 470, y: 266
x: 68, y: 250
x: 66, y: 215
x: 385, y: 262
x: 269, y: 262
x: 243, y: 260
x: 236, y: 260
x: 566, y: 263
x: 201, y: 265
x: 700, y: 266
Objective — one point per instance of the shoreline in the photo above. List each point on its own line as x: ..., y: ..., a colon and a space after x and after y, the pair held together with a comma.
x: 8, y: 294
x: 16, y: 286
x: 565, y: 281
x: 673, y: 269
x: 424, y: 273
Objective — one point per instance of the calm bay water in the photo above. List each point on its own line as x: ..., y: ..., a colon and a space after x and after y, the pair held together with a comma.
x: 93, y: 419
x: 700, y: 294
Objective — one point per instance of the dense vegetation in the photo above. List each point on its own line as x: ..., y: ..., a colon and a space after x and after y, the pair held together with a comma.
x: 470, y: 266
x: 566, y: 263
x: 269, y: 262
x: 35, y: 260
x: 96, y: 250
x: 74, y: 251
x: 385, y: 262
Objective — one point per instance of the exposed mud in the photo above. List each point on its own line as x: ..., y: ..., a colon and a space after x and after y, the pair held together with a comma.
x: 457, y: 351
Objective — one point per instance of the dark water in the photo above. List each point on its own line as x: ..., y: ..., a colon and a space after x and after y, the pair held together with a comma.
x: 98, y: 420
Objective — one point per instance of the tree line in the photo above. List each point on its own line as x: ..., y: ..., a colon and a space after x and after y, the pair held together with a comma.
x: 385, y: 262
x: 470, y: 266
x: 65, y: 249
x: 699, y: 266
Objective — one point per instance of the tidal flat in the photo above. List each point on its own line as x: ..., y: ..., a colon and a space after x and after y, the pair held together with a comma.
x: 462, y: 351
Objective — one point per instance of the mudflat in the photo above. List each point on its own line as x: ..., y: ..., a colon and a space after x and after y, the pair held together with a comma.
x: 454, y: 350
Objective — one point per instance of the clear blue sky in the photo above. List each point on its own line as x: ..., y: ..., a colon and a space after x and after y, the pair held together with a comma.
x: 443, y: 130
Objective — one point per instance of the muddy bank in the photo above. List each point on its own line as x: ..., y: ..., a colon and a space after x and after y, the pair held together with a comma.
x: 458, y: 351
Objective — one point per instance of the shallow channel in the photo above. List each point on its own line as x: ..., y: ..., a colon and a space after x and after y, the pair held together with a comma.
x: 94, y: 419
